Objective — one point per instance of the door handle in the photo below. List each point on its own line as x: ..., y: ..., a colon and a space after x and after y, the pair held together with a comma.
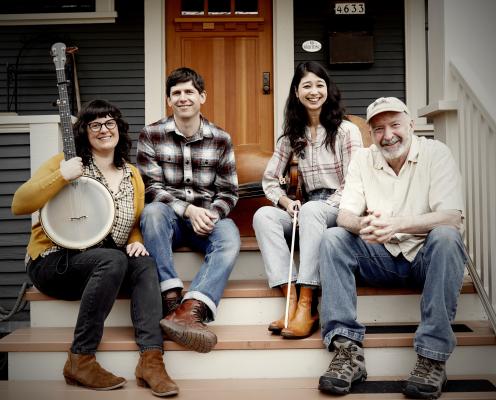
x: 266, y: 83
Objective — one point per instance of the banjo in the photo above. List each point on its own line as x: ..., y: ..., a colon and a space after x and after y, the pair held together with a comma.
x: 82, y: 213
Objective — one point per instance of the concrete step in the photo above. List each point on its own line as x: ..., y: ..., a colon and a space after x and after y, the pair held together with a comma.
x: 229, y: 389
x: 242, y: 352
x: 248, y: 302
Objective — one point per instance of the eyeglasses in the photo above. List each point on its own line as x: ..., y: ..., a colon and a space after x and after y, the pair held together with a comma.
x: 97, y: 126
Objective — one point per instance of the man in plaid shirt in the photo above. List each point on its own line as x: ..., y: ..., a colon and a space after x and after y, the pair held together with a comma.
x: 188, y: 167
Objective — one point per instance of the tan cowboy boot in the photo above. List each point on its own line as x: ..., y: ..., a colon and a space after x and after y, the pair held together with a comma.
x: 185, y: 326
x: 277, y: 326
x: 151, y: 372
x: 304, y: 323
x: 84, y: 370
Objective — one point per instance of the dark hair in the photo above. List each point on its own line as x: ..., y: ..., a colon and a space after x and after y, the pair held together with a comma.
x: 184, y: 74
x: 296, y: 116
x: 99, y: 109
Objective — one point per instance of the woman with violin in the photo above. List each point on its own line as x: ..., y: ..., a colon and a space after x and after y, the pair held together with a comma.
x: 96, y: 275
x: 317, y: 135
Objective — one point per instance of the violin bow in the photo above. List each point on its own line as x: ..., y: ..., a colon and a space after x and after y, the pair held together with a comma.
x: 286, y: 315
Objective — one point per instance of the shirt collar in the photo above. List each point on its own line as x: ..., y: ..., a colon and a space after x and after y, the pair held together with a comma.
x: 204, y: 130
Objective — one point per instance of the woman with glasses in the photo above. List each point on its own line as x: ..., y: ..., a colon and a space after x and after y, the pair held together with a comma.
x: 120, y: 264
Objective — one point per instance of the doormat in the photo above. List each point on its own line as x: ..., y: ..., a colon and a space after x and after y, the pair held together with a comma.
x: 374, y: 329
x: 461, y: 385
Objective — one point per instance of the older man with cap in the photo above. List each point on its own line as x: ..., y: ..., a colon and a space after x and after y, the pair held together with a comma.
x: 399, y: 224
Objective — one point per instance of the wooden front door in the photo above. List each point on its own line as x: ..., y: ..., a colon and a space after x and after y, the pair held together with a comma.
x: 229, y: 42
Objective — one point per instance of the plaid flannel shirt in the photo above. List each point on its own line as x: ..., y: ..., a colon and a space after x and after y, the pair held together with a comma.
x: 179, y: 171
x: 320, y: 168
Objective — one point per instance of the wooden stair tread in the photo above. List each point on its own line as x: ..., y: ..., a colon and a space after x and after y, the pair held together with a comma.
x: 259, y: 288
x: 248, y: 243
x: 230, y: 337
x: 219, y: 389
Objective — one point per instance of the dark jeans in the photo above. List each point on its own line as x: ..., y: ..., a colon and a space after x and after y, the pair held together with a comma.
x: 96, y: 277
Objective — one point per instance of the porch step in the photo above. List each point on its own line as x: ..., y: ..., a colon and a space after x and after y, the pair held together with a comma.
x: 247, y: 302
x: 242, y: 389
x: 249, y: 288
x: 241, y: 352
x: 237, y: 337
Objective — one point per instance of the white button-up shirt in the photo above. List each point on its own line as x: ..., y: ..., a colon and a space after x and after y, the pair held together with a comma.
x: 429, y: 181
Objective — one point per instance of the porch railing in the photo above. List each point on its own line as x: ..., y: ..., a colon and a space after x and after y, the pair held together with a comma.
x: 476, y: 144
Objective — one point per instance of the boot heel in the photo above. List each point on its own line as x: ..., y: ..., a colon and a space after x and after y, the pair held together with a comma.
x: 141, y: 382
x: 70, y: 381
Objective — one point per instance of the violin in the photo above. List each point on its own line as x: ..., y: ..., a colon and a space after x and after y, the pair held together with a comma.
x: 291, y: 181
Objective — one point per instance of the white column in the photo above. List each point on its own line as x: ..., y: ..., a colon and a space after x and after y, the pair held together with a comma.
x: 154, y: 60
x: 415, y: 58
x: 283, y: 39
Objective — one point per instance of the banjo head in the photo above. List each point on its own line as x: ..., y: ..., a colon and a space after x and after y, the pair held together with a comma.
x: 80, y: 216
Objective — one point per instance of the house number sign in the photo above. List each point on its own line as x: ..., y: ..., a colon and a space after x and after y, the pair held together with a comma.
x: 349, y: 8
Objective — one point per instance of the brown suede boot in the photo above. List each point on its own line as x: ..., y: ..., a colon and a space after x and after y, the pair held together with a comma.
x: 84, y: 370
x: 150, y: 372
x: 171, y: 299
x: 277, y: 326
x: 185, y: 326
x: 304, y: 322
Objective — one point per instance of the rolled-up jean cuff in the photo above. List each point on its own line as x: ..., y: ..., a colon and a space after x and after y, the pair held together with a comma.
x: 147, y: 348
x: 171, y: 284
x: 433, y: 355
x: 308, y: 283
x: 284, y: 282
x: 204, y: 299
x: 358, y: 337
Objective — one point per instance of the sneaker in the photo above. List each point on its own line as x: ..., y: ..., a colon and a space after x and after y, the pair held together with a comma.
x: 427, y: 379
x: 347, y: 367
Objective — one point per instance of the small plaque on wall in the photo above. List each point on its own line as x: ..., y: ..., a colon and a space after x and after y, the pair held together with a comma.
x: 311, y: 46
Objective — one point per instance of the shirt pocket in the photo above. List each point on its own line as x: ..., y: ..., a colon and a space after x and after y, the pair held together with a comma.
x: 204, y: 170
x: 172, y: 167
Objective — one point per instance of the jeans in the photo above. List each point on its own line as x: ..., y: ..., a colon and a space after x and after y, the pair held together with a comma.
x: 273, y: 229
x: 163, y: 231
x: 96, y: 277
x: 437, y: 269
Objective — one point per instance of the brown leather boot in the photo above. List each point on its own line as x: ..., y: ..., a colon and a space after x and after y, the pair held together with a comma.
x: 277, y: 326
x: 304, y: 322
x: 150, y: 372
x: 171, y: 299
x: 185, y: 326
x: 84, y: 370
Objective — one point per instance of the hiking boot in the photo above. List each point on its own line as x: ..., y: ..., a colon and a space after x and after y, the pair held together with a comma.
x: 427, y: 379
x: 171, y: 299
x: 185, y: 326
x: 347, y: 367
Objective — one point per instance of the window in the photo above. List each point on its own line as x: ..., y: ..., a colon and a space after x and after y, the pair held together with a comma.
x: 219, y: 7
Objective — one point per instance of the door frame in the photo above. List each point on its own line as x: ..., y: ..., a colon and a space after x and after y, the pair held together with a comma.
x: 155, y: 62
x: 283, y: 58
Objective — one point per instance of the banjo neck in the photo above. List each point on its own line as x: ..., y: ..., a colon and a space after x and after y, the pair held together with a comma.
x: 59, y: 59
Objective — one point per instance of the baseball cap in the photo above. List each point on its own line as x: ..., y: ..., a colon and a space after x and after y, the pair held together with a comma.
x: 383, y: 104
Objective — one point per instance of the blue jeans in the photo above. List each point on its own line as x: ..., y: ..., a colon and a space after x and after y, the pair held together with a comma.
x: 96, y: 277
x: 163, y: 231
x: 437, y: 268
x: 273, y: 228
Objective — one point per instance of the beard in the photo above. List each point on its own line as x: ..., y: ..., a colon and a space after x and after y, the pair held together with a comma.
x: 403, y: 148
